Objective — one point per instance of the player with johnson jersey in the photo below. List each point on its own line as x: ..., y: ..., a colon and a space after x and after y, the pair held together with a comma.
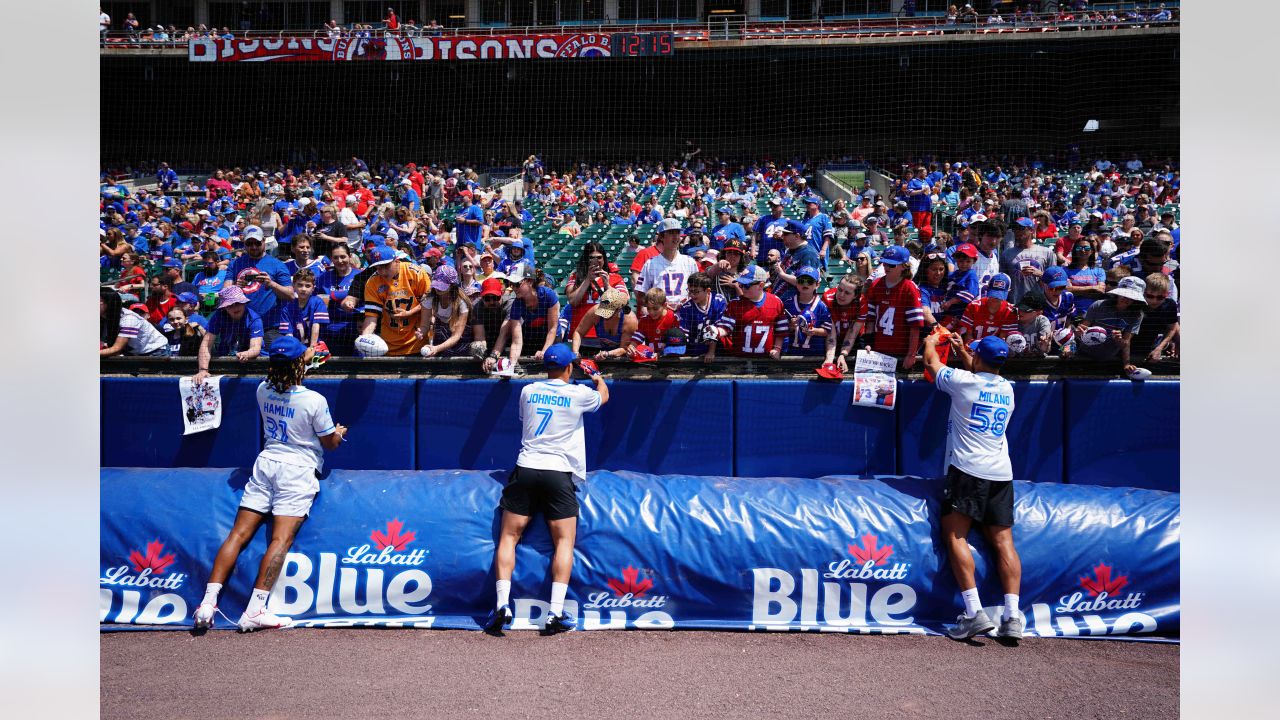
x: 552, y: 456
x: 891, y: 306
x: 393, y: 293
x: 756, y: 323
x: 297, y: 429
x: 978, y: 476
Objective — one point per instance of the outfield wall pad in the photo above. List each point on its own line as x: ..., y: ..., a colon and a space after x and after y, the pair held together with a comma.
x: 1074, y: 431
x: 834, y: 554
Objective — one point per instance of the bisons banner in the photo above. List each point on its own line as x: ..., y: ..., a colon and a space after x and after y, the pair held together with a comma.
x: 477, y: 47
x: 835, y: 554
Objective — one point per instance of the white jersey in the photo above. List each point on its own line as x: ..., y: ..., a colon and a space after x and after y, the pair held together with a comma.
x: 144, y: 338
x: 981, y: 407
x: 551, y: 413
x: 292, y: 425
x: 670, y: 275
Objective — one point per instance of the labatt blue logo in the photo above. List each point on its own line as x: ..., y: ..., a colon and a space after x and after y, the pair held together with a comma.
x: 143, y: 590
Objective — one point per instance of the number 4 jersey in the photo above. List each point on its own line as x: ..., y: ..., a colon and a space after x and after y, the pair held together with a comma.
x: 891, y: 312
x: 292, y: 425
x: 981, y: 407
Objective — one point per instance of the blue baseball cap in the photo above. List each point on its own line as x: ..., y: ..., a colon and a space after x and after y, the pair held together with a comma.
x: 727, y: 210
x: 287, y: 347
x: 173, y: 263
x: 558, y: 355
x: 992, y: 350
x: 811, y: 273
x: 1026, y: 222
x: 189, y: 297
x: 753, y: 274
x: 997, y: 286
x: 793, y: 226
x: 381, y: 255
x: 896, y: 255
x: 813, y: 199
x: 1054, y: 276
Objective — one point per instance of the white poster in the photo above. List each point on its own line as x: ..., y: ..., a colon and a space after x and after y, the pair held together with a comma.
x: 201, y: 404
x: 875, y: 382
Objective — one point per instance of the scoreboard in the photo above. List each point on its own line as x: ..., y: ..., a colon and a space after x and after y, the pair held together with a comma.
x: 642, y: 44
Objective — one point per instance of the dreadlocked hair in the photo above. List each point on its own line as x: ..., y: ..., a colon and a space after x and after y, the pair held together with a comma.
x: 283, y: 374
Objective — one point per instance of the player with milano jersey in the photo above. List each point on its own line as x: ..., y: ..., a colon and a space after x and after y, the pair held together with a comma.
x: 755, y: 322
x: 892, y: 306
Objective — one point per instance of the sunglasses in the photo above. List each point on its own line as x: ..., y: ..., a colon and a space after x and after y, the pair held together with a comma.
x: 806, y: 281
x: 935, y: 256
x: 1153, y: 296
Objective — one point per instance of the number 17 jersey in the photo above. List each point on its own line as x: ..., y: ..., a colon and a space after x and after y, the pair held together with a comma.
x: 981, y: 408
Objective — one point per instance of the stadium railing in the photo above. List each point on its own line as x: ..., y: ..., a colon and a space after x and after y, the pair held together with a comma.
x: 737, y: 28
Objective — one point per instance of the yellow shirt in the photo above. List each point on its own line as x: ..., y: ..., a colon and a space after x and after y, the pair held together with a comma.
x: 387, y: 298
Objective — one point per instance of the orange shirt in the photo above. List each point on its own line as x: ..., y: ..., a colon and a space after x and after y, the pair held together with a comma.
x: 386, y: 298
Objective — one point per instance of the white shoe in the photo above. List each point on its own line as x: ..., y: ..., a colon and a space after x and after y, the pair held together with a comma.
x: 263, y: 620
x: 204, y: 616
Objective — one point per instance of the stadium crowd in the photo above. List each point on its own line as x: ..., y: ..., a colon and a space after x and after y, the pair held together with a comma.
x: 636, y: 262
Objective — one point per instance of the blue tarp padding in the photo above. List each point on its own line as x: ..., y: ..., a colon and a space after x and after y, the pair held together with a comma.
x: 1123, y: 433
x: 1035, y: 435
x: 803, y: 428
x: 835, y: 553
x: 381, y: 415
x: 142, y: 425
x: 654, y: 426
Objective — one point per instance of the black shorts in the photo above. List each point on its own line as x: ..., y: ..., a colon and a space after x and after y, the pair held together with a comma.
x: 550, y: 492
x: 989, y: 502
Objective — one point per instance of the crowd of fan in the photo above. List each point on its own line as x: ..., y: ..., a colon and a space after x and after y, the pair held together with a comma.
x: 745, y: 261
x: 131, y: 31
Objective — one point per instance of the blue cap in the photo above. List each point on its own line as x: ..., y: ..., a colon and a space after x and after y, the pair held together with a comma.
x: 753, y: 274
x: 813, y: 199
x: 726, y: 210
x: 189, y: 297
x: 287, y: 347
x: 381, y: 254
x: 173, y: 263
x: 896, y: 255
x: 811, y: 273
x: 793, y: 226
x: 1054, y: 277
x: 558, y: 355
x: 997, y: 286
x: 1026, y: 222
x: 991, y: 349
x: 691, y: 250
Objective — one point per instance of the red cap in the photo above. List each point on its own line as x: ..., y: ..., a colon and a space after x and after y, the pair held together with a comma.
x: 492, y: 286
x: 968, y: 250
x: 434, y: 252
x: 186, y: 225
x: 412, y: 166
x: 830, y: 371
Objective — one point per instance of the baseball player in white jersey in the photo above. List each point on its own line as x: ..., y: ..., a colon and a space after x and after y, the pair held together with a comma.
x: 552, y: 455
x: 297, y: 430
x: 979, y: 478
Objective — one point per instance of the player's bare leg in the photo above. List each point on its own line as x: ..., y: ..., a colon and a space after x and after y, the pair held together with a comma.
x: 1009, y: 566
x: 504, y: 564
x: 242, y: 531
x: 563, y: 535
x: 284, y: 528
x: 955, y: 536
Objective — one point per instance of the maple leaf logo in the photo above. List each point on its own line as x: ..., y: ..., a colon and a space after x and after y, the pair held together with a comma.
x: 153, y: 560
x: 869, y: 551
x: 1102, y: 581
x: 392, y: 538
x: 629, y: 584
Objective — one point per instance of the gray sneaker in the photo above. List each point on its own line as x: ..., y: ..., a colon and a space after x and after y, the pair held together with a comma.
x: 1011, y: 628
x: 967, y: 627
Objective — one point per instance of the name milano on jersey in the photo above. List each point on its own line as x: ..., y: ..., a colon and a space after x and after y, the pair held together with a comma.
x: 981, y: 407
x: 292, y: 425
x: 551, y: 415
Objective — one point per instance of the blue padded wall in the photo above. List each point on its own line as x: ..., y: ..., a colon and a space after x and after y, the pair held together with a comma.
x: 141, y: 425
x: 808, y: 428
x: 381, y: 419
x: 1122, y: 433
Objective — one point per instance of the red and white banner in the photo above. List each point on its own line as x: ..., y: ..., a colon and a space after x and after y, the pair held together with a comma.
x: 475, y: 47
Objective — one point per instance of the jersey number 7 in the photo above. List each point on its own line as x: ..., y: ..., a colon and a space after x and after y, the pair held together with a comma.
x: 546, y: 418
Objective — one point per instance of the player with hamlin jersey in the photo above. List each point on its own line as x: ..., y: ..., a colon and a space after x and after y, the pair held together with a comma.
x: 979, y: 476
x: 892, y: 306
x: 669, y: 269
x: 297, y: 429
x: 552, y: 455
x: 756, y: 323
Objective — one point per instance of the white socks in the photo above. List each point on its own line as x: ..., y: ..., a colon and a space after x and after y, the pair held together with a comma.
x: 558, y: 591
x: 504, y: 592
x: 1010, y: 607
x: 972, y: 605
x: 211, y: 593
x: 257, y: 602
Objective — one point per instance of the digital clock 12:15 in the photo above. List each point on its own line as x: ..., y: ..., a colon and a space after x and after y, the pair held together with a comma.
x: 641, y: 44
